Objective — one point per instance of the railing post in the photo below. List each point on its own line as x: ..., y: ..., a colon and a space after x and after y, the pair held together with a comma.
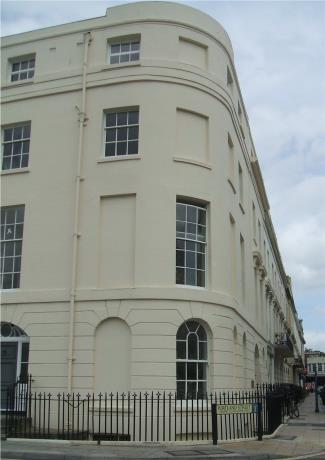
x: 214, y: 423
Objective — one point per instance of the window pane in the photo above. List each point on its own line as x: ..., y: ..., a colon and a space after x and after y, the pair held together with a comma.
x: 110, y: 119
x: 190, y: 259
x: 181, y: 349
x: 17, y: 148
x: 191, y: 230
x: 7, y: 281
x: 191, y: 390
x: 8, y: 265
x: 30, y: 73
x: 18, y: 247
x: 190, y: 246
x: 125, y: 47
x: 17, y: 264
x: 192, y: 346
x: 180, y: 211
x: 191, y: 371
x: 26, y: 131
x: 200, y: 278
x: 7, y: 148
x: 9, y: 232
x: 114, y: 60
x: 121, y: 148
x: 25, y: 146
x: 190, y: 277
x: 19, y: 231
x: 200, y: 247
x: 202, y: 389
x: 109, y: 150
x: 31, y: 63
x: 16, y: 280
x: 182, y: 332
x: 202, y: 371
x: 115, y: 48
x: 111, y: 135
x: 180, y: 371
x: 135, y: 46
x: 15, y: 66
x: 133, y: 147
x: 133, y: 132
x: 133, y: 117
x: 180, y: 244
x: 201, y: 232
x: 180, y: 390
x: 200, y: 261
x: 201, y: 333
x: 202, y: 350
x: 15, y: 162
x: 23, y: 76
x: 180, y: 276
x: 122, y: 118
x: 180, y: 259
x: 7, y: 134
x: 10, y: 215
x: 192, y: 325
x: 122, y: 134
x: 18, y: 132
x: 24, y: 65
x: 14, y: 77
x: 191, y: 214
x: 201, y: 217
x: 180, y: 228
x: 9, y: 248
x: 124, y: 58
x: 135, y: 56
x: 20, y: 214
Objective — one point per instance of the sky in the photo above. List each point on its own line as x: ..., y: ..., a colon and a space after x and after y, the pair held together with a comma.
x: 279, y: 51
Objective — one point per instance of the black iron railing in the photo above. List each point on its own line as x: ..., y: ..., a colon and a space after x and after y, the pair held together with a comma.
x: 141, y: 416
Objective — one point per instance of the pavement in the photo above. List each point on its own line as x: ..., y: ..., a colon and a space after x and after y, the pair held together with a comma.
x: 299, y: 438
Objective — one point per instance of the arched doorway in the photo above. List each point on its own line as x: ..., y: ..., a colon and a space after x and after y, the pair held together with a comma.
x: 14, y: 357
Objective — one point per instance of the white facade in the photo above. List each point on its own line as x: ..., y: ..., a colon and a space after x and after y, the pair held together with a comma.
x: 315, y: 363
x: 97, y: 293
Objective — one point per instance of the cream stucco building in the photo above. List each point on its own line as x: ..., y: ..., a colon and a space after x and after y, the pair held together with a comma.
x: 136, y: 227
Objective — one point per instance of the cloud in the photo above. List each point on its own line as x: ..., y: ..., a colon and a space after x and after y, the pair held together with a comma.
x: 315, y: 340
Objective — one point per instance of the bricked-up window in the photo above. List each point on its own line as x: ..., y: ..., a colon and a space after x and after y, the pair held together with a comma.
x: 22, y: 68
x: 15, y: 146
x: 11, y: 228
x: 124, y: 51
x: 191, y: 360
x: 122, y: 132
x: 190, y: 244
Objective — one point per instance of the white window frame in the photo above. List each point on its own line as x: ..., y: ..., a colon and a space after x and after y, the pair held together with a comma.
x: 127, y: 126
x: 22, y: 140
x: 196, y: 241
x: 13, y: 240
x: 30, y: 59
x: 124, y: 56
x: 197, y: 361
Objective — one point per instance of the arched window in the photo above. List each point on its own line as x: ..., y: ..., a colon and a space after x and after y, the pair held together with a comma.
x: 192, y: 360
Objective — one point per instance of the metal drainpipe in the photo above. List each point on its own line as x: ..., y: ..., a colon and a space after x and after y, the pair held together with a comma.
x: 82, y: 121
